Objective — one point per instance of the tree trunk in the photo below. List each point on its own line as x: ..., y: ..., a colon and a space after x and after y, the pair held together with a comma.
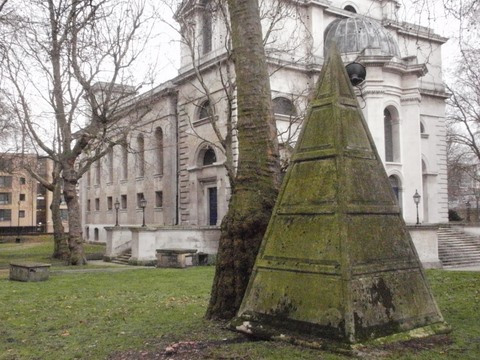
x: 75, y: 240
x: 257, y: 178
x: 60, y: 247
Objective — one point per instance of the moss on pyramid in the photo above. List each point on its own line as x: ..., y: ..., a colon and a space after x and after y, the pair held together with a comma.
x: 336, y: 261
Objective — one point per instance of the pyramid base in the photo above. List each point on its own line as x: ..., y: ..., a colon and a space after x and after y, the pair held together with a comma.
x: 265, y: 331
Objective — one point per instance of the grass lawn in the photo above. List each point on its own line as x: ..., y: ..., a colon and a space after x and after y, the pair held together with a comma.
x: 35, y: 249
x: 136, y: 314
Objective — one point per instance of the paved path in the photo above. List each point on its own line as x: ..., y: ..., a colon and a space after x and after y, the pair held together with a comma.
x: 464, y: 268
x: 112, y: 267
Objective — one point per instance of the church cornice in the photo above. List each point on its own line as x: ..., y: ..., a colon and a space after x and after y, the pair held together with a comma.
x: 392, y: 64
x: 416, y: 31
x: 442, y: 94
x: 411, y: 98
x: 373, y: 92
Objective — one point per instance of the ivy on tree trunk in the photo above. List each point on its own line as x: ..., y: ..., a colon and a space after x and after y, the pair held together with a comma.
x: 257, y: 178
x: 60, y: 247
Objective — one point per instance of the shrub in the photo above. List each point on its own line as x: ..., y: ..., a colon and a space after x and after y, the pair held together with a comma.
x: 453, y: 215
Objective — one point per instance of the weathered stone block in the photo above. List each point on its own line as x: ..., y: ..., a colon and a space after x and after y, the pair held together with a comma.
x: 175, y: 258
x: 28, y: 271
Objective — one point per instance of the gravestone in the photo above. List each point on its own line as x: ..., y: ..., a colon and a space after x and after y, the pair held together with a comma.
x: 175, y: 258
x: 337, y: 261
x: 29, y: 271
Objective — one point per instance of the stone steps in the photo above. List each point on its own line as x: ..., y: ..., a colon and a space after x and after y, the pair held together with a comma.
x: 123, y: 259
x: 455, y: 248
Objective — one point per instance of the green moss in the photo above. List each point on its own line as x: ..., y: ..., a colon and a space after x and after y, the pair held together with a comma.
x: 337, y: 260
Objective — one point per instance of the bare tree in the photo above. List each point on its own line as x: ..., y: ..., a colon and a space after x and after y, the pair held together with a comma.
x: 257, y: 177
x: 63, y: 68
x: 222, y: 92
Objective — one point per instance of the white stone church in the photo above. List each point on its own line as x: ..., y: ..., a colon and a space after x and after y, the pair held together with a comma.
x: 176, y: 159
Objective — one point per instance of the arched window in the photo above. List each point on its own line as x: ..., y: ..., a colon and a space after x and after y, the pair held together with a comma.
x: 124, y: 162
x: 96, y: 234
x: 205, y: 110
x: 206, y: 31
x: 140, y: 156
x: 209, y: 157
x: 350, y: 8
x: 422, y: 128
x: 283, y: 106
x: 396, y: 186
x: 392, y: 135
x: 159, y: 150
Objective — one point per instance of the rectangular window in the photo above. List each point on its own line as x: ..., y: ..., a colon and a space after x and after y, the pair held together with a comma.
x: 5, y: 198
x: 158, y: 199
x: 97, y: 204
x: 22, y: 197
x: 139, y: 199
x: 88, y: 205
x: 6, y: 181
x: 5, y: 214
x: 22, y: 181
x: 98, y: 172
x: 21, y: 213
x: 109, y: 202
x: 123, y: 201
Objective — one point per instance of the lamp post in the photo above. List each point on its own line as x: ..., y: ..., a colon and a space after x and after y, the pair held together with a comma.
x: 117, y: 206
x: 469, y: 206
x: 416, y: 199
x: 143, y: 204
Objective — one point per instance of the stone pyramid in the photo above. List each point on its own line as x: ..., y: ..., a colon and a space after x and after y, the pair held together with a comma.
x: 337, y: 261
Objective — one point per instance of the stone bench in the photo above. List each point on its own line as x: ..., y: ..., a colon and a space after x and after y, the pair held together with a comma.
x: 175, y: 258
x: 29, y: 271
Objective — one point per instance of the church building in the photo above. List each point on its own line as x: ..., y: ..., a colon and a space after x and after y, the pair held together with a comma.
x: 173, y: 172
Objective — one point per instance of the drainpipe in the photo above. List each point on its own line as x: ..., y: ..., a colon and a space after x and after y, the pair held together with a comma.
x: 177, y: 162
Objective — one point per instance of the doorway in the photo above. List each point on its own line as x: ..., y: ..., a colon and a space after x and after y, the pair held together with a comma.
x: 212, y: 206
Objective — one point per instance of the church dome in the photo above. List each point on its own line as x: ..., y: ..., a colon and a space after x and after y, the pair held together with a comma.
x: 356, y: 34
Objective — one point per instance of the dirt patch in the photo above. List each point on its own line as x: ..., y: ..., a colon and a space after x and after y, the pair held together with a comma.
x: 183, y: 350
x: 439, y: 342
x: 187, y: 350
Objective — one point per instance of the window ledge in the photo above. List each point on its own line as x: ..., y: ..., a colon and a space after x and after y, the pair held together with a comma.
x: 425, y: 136
x: 139, y: 178
x: 158, y: 176
x: 195, y: 168
x: 205, y: 120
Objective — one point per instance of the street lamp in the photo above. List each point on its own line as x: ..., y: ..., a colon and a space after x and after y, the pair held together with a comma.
x: 143, y: 204
x: 416, y: 199
x: 117, y: 206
